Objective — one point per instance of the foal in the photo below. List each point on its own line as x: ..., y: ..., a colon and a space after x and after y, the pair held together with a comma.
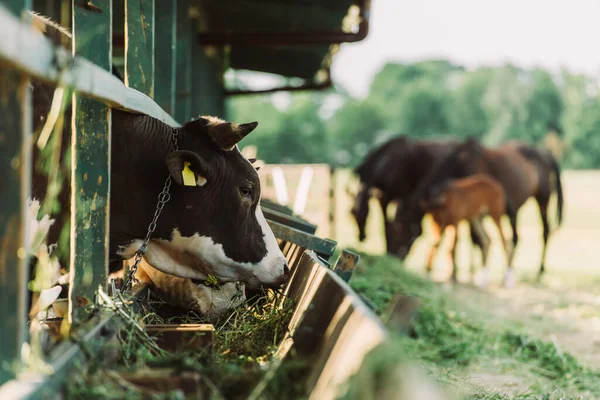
x: 470, y: 199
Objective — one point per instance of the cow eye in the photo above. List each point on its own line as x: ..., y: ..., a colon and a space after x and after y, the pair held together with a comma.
x: 247, y: 191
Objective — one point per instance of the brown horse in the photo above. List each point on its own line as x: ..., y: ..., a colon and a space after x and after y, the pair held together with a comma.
x: 396, y: 168
x: 522, y: 170
x: 469, y: 199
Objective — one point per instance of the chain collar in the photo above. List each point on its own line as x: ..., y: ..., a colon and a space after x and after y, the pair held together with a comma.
x: 163, y: 198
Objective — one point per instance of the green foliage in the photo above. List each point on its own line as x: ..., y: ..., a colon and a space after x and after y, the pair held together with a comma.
x: 443, y: 336
x: 354, y: 130
x: 433, y: 97
x: 423, y: 110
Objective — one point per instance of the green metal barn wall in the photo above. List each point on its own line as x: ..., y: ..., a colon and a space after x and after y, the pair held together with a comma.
x: 207, y: 83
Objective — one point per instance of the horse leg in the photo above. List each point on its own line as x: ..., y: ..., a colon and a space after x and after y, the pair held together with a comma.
x: 439, y: 235
x: 454, y: 248
x: 477, y: 244
x: 509, y: 279
x: 543, y: 206
x: 477, y: 225
x: 383, y: 203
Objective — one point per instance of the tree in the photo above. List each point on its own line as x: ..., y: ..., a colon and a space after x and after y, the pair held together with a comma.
x: 467, y: 114
x: 543, y: 107
x: 503, y: 103
x: 423, y: 110
x: 353, y: 131
x: 389, y: 84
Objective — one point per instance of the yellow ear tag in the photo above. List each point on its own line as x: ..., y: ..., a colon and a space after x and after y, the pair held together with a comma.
x: 189, y: 179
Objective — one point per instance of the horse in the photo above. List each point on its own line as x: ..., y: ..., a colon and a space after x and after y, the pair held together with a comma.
x: 523, y: 171
x: 470, y: 199
x: 395, y: 169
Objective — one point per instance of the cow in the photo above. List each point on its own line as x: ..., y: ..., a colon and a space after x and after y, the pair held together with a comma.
x: 213, y: 223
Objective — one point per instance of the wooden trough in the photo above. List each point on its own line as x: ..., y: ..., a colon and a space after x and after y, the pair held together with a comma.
x: 330, y: 324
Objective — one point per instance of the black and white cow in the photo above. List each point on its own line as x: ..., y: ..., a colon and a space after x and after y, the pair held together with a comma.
x: 215, y: 226
x: 211, y: 226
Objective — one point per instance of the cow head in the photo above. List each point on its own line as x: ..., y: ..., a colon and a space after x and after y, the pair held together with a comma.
x: 213, y: 223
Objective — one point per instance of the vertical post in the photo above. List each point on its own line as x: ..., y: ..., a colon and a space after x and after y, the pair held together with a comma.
x: 183, y: 85
x: 165, y: 59
x: 15, y: 189
x: 15, y: 162
x: 139, y: 45
x: 90, y: 164
x: 332, y: 199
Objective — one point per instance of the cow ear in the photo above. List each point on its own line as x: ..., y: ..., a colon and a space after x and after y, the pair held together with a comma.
x: 187, y: 168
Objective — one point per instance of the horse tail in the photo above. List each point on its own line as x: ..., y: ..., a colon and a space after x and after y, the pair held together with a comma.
x: 558, y: 188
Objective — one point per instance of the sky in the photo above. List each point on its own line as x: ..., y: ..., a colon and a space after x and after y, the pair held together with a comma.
x: 546, y: 33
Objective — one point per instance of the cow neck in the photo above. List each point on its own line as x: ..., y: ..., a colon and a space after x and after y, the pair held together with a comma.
x: 163, y: 198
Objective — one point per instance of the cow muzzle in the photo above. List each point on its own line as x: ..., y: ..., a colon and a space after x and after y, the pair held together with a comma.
x: 281, y: 280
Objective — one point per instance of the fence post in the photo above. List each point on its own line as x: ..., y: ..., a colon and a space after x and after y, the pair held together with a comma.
x: 166, y: 62
x: 139, y: 45
x: 183, y: 85
x: 90, y: 164
x: 15, y: 189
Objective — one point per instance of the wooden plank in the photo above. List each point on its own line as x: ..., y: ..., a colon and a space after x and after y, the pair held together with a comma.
x: 139, y: 45
x: 165, y: 63
x: 29, y: 51
x: 15, y: 186
x: 345, y: 264
x: 323, y: 247
x: 289, y: 220
x: 183, y: 85
x: 90, y: 168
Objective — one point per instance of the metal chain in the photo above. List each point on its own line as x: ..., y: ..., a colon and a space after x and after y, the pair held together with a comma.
x: 163, y: 198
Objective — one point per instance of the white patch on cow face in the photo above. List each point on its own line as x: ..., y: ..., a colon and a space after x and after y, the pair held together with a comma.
x: 197, y: 256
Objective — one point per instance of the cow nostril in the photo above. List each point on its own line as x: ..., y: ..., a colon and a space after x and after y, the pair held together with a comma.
x: 286, y: 271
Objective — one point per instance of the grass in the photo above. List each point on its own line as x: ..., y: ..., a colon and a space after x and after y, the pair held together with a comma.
x: 450, y: 343
x: 240, y: 365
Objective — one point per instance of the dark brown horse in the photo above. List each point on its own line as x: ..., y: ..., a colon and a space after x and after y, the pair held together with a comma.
x: 469, y: 199
x: 396, y: 169
x: 522, y: 170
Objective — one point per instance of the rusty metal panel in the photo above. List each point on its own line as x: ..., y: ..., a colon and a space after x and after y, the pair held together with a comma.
x: 345, y: 264
x: 90, y: 170
x: 165, y: 61
x: 139, y: 45
x: 183, y: 85
x: 29, y: 51
x: 15, y: 163
x: 330, y: 326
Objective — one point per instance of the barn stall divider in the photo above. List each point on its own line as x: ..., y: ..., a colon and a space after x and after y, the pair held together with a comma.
x: 167, y: 76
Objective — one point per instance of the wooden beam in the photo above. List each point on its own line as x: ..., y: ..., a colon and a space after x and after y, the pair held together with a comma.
x: 183, y: 85
x: 15, y: 189
x: 165, y: 62
x: 139, y: 45
x: 90, y: 168
x: 323, y: 247
x: 29, y: 51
